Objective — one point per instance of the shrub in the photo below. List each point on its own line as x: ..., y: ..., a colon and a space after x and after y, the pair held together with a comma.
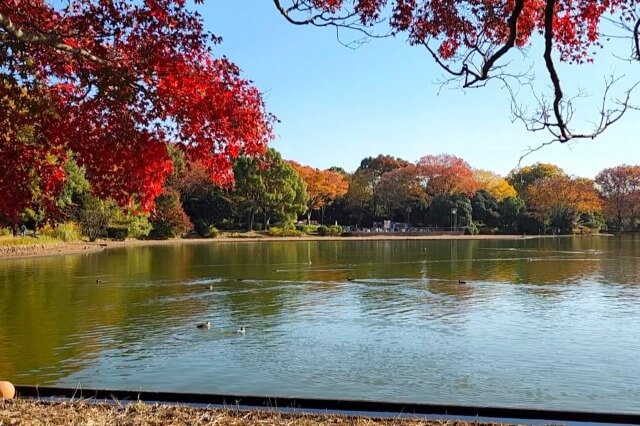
x: 335, y: 230
x: 213, y: 232
x: 471, y: 229
x: 227, y: 224
x: 118, y: 233
x: 201, y: 228
x: 67, y: 231
x: 323, y: 230
x: 5, y: 231
x: 307, y: 229
x: 276, y: 231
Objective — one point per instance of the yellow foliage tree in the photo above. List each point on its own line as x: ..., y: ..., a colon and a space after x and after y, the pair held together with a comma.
x: 494, y: 184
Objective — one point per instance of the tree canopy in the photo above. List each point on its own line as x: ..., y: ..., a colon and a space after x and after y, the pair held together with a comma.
x: 115, y: 82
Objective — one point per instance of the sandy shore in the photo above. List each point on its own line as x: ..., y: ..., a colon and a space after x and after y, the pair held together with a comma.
x: 37, y: 250
x: 28, y: 412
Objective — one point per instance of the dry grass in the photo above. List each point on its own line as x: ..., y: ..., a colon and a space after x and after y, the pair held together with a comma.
x: 30, y: 412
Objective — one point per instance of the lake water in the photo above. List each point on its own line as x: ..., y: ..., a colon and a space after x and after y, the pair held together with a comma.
x: 546, y: 323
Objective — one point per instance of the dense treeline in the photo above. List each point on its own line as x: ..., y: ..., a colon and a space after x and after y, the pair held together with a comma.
x: 278, y: 196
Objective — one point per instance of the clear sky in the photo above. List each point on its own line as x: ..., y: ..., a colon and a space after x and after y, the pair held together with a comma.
x: 339, y: 105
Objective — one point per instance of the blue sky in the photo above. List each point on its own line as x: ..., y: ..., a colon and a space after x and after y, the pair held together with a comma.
x: 339, y: 105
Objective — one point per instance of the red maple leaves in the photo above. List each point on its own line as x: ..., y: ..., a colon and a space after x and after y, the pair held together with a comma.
x: 115, y: 82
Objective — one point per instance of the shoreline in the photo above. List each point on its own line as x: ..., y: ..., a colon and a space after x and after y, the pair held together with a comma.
x: 47, y: 412
x: 81, y: 247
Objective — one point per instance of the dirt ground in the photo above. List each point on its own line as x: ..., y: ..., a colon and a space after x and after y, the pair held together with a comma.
x: 30, y: 412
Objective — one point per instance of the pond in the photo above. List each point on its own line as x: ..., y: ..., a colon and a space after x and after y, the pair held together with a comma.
x: 544, y: 323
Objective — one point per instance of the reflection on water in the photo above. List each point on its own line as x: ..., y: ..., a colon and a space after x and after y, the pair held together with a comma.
x: 550, y: 323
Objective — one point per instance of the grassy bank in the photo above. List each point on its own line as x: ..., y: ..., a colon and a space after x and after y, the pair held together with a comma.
x: 28, y: 412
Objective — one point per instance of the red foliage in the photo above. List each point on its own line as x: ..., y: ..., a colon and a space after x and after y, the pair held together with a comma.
x: 463, y: 23
x: 447, y: 174
x: 115, y: 82
x: 620, y: 189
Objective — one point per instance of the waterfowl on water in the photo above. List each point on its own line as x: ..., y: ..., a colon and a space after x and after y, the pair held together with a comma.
x: 210, y: 287
x: 239, y: 279
x: 98, y: 281
x: 241, y: 330
x: 205, y: 325
x: 350, y: 279
x: 461, y: 282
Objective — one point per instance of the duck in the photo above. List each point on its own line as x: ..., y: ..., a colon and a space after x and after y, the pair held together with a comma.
x: 98, y: 281
x: 461, y: 282
x: 205, y: 325
x: 350, y: 279
x: 239, y: 279
x: 210, y: 287
x: 241, y: 330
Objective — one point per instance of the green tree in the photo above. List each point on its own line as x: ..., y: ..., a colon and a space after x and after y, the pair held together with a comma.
x: 94, y: 215
x: 486, y: 208
x: 270, y: 187
x: 442, y: 207
x: 511, y: 210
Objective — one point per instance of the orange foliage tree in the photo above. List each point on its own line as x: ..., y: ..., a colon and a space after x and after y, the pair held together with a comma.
x: 401, y: 190
x: 553, y: 196
x: 620, y: 189
x: 446, y: 175
x: 323, y: 186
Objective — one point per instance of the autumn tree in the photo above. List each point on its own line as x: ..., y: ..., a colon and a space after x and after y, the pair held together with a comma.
x: 446, y: 175
x: 494, y: 184
x: 522, y: 177
x: 359, y: 196
x: 563, y: 199
x: 474, y: 41
x: 168, y: 219
x: 323, y: 186
x: 268, y: 186
x: 401, y: 190
x: 115, y: 82
x: 620, y: 189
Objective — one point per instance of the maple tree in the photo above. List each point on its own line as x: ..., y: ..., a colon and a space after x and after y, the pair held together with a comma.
x: 620, y: 189
x: 446, y: 175
x: 115, y: 82
x: 323, y: 186
x: 470, y: 40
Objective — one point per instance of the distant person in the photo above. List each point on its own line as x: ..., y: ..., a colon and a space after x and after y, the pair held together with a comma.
x: 23, y: 230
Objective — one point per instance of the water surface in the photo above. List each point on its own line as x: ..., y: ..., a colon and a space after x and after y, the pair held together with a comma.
x: 546, y: 323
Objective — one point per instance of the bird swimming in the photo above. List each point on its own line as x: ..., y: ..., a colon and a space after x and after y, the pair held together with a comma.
x: 241, y: 330
x: 461, y: 282
x: 204, y: 325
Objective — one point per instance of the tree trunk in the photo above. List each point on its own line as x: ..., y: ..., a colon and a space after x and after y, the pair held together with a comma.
x: 309, y: 217
x: 250, y: 221
x: 266, y: 222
